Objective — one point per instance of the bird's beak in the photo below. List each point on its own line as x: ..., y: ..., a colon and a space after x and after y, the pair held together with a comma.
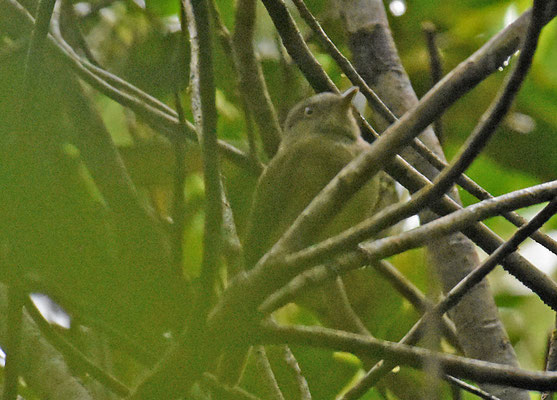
x: 348, y: 95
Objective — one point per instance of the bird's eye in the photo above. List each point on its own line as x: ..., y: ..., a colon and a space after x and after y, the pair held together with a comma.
x: 308, y: 111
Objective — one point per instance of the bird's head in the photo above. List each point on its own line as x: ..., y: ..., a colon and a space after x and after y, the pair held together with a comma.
x: 326, y: 114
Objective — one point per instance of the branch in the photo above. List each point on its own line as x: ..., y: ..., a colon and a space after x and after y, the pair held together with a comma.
x: 458, y: 220
x: 469, y: 388
x: 374, y: 101
x: 480, y: 371
x: 205, y: 114
x: 192, y: 347
x: 294, y: 370
x: 179, y: 201
x: 551, y: 362
x: 266, y: 374
x: 228, y: 47
x: 297, y: 47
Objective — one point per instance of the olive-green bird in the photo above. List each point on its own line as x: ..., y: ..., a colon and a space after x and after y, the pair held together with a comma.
x: 321, y: 136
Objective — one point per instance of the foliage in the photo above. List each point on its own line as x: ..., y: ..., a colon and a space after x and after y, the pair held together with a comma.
x: 107, y: 255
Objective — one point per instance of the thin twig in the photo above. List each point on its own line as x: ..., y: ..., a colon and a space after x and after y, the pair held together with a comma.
x: 292, y: 364
x: 111, y: 79
x: 482, y: 394
x: 156, y: 114
x: 344, y: 63
x: 67, y: 12
x: 499, y: 107
x: 410, y: 292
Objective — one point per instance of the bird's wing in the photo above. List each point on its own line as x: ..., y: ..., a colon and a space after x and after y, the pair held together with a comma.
x: 288, y: 184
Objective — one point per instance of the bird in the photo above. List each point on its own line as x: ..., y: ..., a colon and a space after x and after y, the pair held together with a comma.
x: 321, y: 136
